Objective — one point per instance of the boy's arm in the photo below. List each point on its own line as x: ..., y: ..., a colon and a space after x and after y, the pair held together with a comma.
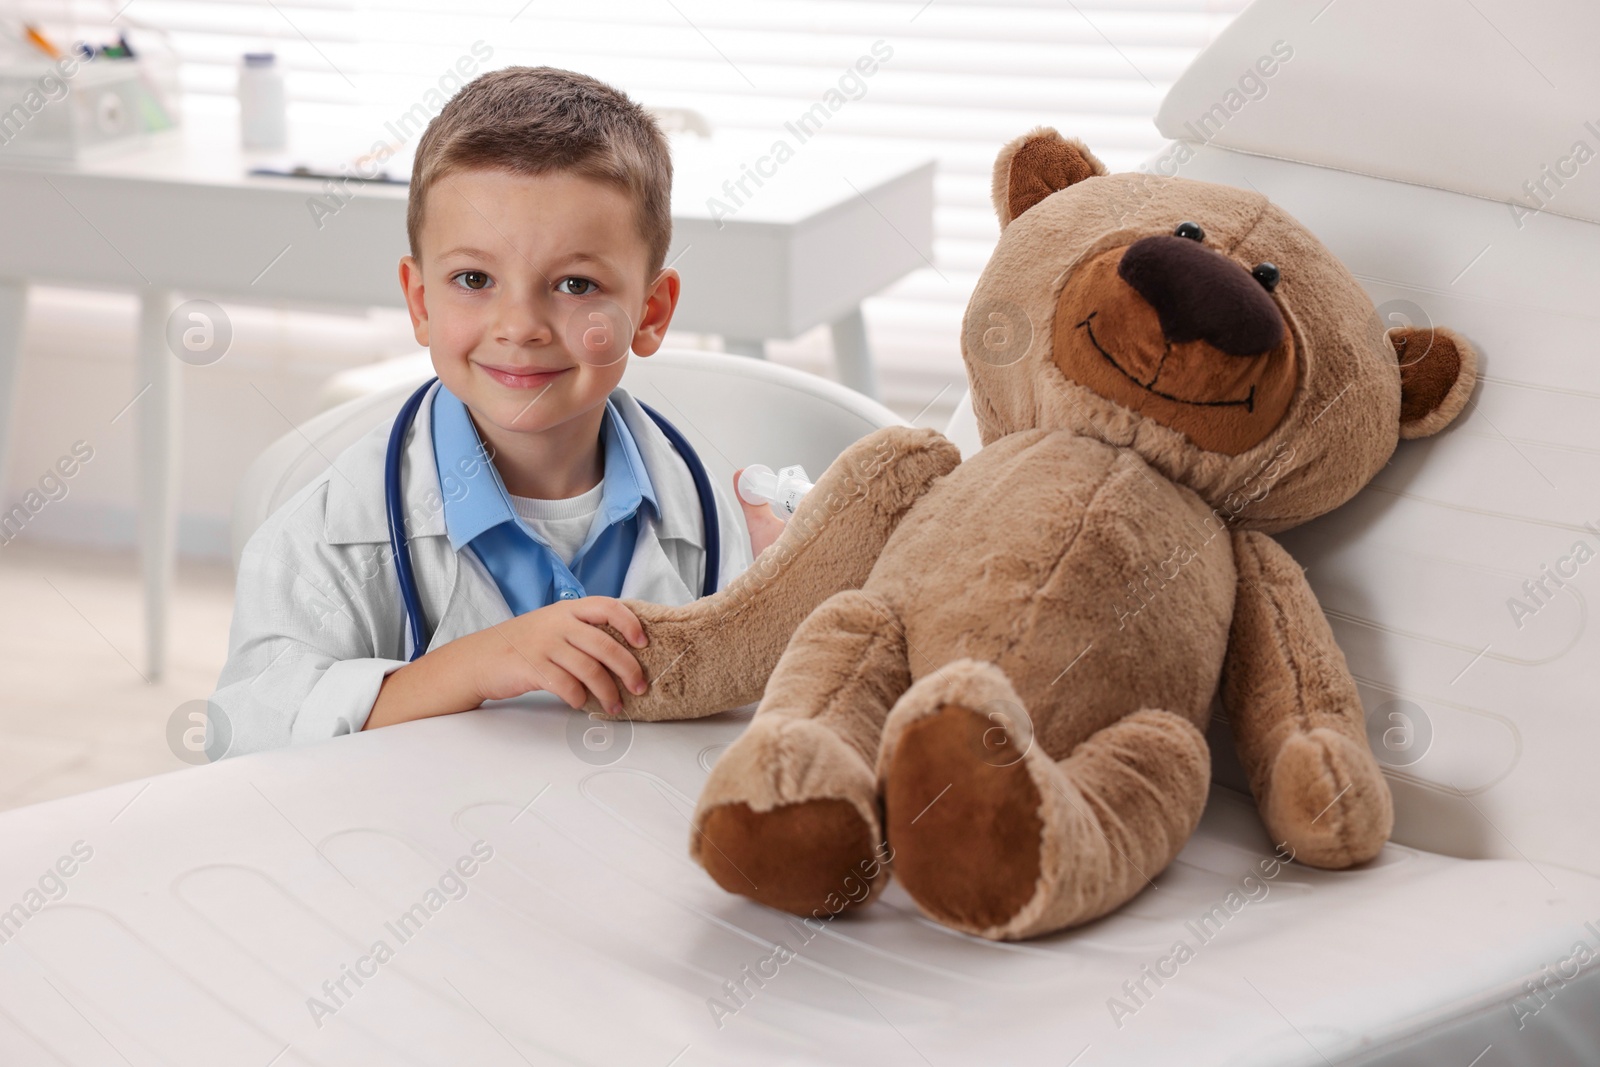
x: 558, y: 648
x: 304, y: 661
x: 437, y: 683
x: 307, y: 658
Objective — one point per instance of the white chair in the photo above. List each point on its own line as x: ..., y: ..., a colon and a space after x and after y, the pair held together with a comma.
x: 735, y: 411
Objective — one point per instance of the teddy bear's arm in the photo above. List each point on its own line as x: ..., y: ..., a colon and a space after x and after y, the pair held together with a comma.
x: 1296, y: 716
x: 717, y: 652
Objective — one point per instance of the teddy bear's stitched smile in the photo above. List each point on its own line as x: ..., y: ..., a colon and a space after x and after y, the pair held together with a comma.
x: 1248, y: 402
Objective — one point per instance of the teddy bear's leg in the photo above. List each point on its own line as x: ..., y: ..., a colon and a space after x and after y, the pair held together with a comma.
x: 1297, y: 718
x: 993, y: 837
x: 790, y: 815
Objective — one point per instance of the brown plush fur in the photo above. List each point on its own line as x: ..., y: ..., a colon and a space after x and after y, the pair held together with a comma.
x: 996, y: 675
x: 1044, y: 164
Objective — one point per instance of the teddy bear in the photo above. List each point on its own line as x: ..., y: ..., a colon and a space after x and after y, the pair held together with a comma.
x: 990, y: 679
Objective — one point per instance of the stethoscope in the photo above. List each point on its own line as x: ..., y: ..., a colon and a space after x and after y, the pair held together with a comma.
x: 409, y: 598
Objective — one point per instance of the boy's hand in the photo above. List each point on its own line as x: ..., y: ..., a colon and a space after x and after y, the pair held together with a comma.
x: 763, y: 524
x: 562, y: 650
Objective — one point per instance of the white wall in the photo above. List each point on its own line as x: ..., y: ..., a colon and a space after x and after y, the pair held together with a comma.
x: 77, y: 374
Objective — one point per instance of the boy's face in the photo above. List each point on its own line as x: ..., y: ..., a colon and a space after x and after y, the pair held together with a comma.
x: 530, y: 292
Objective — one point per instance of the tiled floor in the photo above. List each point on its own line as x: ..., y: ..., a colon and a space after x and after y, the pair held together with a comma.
x: 75, y: 713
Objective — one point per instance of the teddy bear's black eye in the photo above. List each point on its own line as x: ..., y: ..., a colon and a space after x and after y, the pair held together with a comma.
x: 1191, y: 230
x: 1267, y: 274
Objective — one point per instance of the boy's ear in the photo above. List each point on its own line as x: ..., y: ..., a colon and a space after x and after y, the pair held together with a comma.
x: 661, y: 300
x: 411, y: 286
x: 1033, y: 166
x: 1438, y: 369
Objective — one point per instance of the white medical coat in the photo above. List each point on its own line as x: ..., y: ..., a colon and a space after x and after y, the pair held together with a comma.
x: 318, y: 622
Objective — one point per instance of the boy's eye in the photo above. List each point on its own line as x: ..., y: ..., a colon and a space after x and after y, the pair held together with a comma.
x: 585, y: 286
x: 472, y: 279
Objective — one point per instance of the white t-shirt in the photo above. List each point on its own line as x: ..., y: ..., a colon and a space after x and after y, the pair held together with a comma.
x: 563, y: 524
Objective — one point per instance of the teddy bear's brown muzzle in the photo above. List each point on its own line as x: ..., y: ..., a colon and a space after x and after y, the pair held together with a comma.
x: 1201, y: 295
x: 1181, y: 334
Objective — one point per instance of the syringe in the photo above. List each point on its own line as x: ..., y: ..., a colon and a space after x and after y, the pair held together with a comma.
x: 781, y: 490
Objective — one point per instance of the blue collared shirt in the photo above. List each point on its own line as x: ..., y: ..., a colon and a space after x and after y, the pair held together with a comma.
x: 478, y: 513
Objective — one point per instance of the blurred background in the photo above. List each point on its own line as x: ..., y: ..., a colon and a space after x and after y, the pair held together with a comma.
x: 77, y: 708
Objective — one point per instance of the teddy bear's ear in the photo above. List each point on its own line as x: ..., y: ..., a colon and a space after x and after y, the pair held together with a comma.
x: 1438, y: 369
x: 1033, y: 166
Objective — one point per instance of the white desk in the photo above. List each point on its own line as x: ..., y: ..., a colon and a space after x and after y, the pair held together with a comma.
x: 830, y: 228
x: 219, y: 899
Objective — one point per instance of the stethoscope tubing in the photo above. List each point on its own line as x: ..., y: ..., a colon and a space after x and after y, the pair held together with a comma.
x: 411, y: 601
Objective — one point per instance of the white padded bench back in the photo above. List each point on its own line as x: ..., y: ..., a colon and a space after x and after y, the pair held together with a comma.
x: 1477, y: 98
x: 1399, y: 133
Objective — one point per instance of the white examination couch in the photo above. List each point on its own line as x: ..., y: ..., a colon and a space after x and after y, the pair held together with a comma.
x: 232, y: 913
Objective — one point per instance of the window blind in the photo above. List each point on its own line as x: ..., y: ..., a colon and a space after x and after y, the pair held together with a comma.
x: 965, y: 76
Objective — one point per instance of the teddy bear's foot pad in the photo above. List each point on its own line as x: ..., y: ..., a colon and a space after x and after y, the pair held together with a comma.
x: 812, y: 857
x: 963, y: 823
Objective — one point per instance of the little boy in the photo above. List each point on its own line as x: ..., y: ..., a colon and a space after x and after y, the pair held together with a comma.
x: 535, y: 490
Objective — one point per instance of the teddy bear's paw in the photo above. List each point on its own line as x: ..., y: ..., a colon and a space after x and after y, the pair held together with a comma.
x: 964, y: 820
x: 1327, y: 799
x: 789, y: 818
x: 817, y: 857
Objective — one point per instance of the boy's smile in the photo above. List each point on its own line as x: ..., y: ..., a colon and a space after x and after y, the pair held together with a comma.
x: 516, y: 378
x: 530, y: 292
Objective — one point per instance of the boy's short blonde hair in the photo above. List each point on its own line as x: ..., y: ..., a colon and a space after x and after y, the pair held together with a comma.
x: 534, y: 120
